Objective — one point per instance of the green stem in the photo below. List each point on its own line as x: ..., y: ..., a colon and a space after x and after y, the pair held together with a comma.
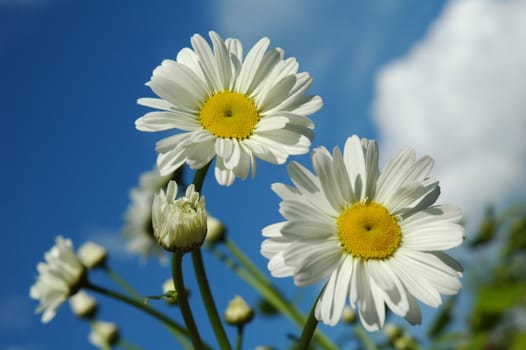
x: 177, y: 274
x: 364, y: 338
x: 239, y: 340
x: 208, y: 300
x: 122, y: 283
x: 138, y: 304
x: 308, y: 330
x: 128, y: 346
x: 245, y: 261
x: 200, y: 273
x: 180, y: 335
x: 199, y: 177
x: 260, y: 284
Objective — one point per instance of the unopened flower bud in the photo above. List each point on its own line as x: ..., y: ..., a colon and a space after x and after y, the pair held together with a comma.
x: 348, y: 315
x: 83, y: 305
x: 170, y: 294
x: 104, y: 334
x: 216, y: 230
x: 238, y: 312
x: 392, y: 331
x: 179, y: 224
x: 404, y: 343
x: 92, y: 255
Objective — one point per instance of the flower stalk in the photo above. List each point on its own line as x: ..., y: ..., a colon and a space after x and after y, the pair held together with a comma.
x: 308, y: 329
x: 177, y: 274
x: 174, y: 327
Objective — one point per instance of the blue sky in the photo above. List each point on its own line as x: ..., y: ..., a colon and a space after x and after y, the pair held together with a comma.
x: 439, y: 76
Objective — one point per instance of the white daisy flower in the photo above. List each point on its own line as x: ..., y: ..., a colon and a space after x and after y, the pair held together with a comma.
x: 59, y: 277
x: 179, y: 224
x: 377, y: 237
x: 138, y: 218
x: 231, y: 106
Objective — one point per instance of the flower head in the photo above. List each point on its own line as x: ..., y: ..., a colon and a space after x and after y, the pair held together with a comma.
x: 138, y: 218
x: 92, y: 255
x: 83, y: 305
x: 179, y: 224
x: 238, y: 312
x: 231, y: 106
x: 59, y: 277
x: 103, y: 334
x: 377, y: 237
x: 216, y: 231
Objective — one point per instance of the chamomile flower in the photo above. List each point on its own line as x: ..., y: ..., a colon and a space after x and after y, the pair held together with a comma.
x: 233, y: 107
x: 59, y: 277
x: 376, y: 238
x: 138, y: 217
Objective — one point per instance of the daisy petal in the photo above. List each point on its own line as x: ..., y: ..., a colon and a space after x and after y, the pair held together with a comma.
x: 370, y: 301
x: 332, y: 300
x: 159, y: 121
x: 312, y: 264
x: 251, y: 64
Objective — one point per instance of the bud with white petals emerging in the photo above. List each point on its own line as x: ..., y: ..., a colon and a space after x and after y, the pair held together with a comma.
x: 103, y: 334
x: 179, y: 224
x: 238, y: 312
x: 61, y: 276
x: 92, y: 255
x: 83, y: 305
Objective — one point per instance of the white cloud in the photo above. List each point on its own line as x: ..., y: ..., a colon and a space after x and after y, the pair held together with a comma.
x: 19, y: 347
x: 17, y: 313
x: 322, y: 36
x: 113, y: 241
x: 459, y: 96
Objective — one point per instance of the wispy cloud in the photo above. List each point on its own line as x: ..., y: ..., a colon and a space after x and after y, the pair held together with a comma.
x: 459, y: 96
x: 340, y: 45
x: 321, y: 35
x: 112, y: 240
x: 17, y: 313
x: 19, y: 347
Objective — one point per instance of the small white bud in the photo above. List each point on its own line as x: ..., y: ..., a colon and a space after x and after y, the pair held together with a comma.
x: 238, y: 312
x: 104, y: 334
x: 392, y: 331
x: 83, y: 305
x: 92, y: 254
x: 349, y: 315
x: 216, y: 230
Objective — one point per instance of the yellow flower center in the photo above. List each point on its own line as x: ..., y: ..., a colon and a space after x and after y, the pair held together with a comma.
x: 368, y: 231
x: 229, y: 115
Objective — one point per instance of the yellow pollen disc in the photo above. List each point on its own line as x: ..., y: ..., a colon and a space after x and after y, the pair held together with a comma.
x: 229, y: 115
x: 368, y: 231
